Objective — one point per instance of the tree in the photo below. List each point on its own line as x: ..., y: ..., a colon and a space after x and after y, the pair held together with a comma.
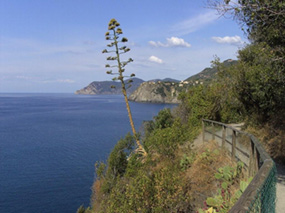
x: 113, y: 35
x: 164, y: 119
x: 260, y: 73
x: 259, y: 83
x: 264, y: 20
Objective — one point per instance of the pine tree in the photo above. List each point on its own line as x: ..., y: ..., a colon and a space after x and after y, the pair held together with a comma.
x: 113, y: 35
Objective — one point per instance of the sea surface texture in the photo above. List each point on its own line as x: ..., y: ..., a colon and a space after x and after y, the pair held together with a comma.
x: 49, y: 144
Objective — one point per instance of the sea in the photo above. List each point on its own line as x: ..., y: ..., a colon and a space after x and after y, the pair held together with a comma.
x: 49, y: 144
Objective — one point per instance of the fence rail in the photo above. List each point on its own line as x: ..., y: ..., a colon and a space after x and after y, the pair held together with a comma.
x: 260, y: 195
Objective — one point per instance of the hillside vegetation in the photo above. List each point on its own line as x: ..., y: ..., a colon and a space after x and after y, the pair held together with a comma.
x: 168, y: 90
x: 209, y: 73
x: 176, y: 178
x: 166, y: 180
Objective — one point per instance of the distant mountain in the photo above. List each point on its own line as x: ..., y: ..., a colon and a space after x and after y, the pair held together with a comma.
x: 104, y: 88
x: 165, y: 80
x: 208, y: 73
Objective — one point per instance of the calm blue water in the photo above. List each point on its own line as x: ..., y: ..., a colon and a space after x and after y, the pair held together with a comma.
x: 50, y: 142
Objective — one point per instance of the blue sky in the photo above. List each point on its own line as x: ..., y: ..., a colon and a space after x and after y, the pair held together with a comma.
x: 56, y: 45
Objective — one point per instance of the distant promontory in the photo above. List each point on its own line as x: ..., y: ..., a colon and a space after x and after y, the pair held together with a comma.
x: 154, y: 91
x: 104, y: 88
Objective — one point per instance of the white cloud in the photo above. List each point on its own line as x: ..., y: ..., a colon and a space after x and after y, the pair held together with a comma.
x: 24, y: 77
x: 155, y: 44
x: 65, y: 81
x: 171, y: 42
x: 195, y: 23
x: 235, y: 40
x: 174, y: 41
x: 38, y: 79
x: 69, y: 81
x: 34, y: 46
x: 155, y: 59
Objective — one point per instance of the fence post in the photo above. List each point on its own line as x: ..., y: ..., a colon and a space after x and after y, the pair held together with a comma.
x: 213, y: 131
x: 234, y: 144
x: 252, y: 170
x: 203, y: 131
x: 224, y: 137
x: 257, y: 159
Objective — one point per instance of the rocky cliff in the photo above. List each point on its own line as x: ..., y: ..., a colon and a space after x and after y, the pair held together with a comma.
x: 156, y: 92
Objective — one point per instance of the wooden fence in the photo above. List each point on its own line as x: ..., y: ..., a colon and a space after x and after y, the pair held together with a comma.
x: 260, y: 195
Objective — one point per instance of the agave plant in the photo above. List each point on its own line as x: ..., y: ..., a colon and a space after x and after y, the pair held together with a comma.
x: 114, y: 35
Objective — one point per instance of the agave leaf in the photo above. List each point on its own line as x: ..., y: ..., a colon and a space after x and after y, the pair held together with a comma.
x: 243, y: 185
x: 218, y: 176
x: 237, y: 194
x: 224, y: 185
x: 216, y: 152
x: 214, y: 201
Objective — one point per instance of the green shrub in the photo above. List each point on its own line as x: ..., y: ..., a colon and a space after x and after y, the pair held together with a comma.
x: 163, y: 119
x: 134, y: 164
x: 165, y: 141
x: 117, y: 161
x: 186, y: 161
x: 171, y: 193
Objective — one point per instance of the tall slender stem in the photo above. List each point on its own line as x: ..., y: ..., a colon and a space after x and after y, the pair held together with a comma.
x: 121, y: 78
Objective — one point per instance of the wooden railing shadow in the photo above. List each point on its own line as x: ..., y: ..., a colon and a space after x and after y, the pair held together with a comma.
x: 260, y: 195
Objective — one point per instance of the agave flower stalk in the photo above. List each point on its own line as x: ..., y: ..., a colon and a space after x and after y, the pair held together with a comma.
x: 113, y: 35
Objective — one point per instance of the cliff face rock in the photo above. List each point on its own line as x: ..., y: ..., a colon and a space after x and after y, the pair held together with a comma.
x: 156, y: 92
x: 104, y: 88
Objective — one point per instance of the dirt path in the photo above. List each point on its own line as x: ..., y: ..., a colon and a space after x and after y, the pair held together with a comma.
x: 280, y: 188
x: 199, y: 140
